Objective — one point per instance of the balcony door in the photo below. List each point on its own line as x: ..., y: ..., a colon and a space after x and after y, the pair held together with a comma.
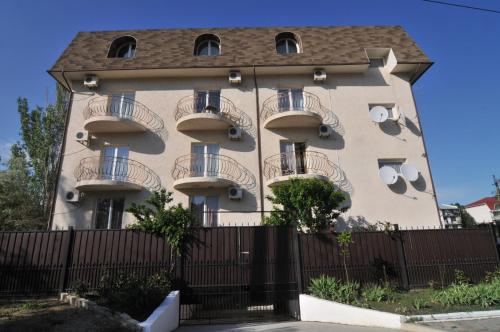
x: 293, y: 157
x: 122, y: 104
x: 205, y: 159
x: 115, y: 163
x: 290, y: 100
x: 205, y: 209
x: 207, y: 101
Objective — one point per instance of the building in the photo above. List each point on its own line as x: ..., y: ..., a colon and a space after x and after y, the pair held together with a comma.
x: 219, y: 116
x: 450, y: 216
x: 485, y: 210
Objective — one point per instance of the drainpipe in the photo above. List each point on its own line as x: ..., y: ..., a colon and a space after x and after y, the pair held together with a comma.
x: 259, y: 145
x: 63, y: 148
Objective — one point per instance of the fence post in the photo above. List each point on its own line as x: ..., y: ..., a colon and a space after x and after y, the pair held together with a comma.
x: 401, y: 257
x: 298, y: 259
x: 492, y: 227
x: 66, y: 254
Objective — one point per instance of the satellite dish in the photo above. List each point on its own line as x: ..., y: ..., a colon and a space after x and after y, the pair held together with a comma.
x: 379, y: 114
x: 410, y: 172
x: 388, y: 175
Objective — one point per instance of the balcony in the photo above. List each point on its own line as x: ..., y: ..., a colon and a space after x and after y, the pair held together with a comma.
x: 119, y: 115
x: 297, y: 111
x: 309, y: 164
x: 205, y: 170
x: 113, y: 173
x: 197, y: 113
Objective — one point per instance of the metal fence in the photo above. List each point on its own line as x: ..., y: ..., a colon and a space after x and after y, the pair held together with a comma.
x: 241, y: 272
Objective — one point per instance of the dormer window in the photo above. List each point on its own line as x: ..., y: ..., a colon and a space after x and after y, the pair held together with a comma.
x: 287, y: 43
x: 123, y: 47
x: 207, y: 45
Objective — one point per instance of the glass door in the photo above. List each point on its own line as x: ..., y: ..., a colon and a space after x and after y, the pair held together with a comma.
x: 207, y: 101
x: 290, y: 100
x: 205, y: 160
x: 115, y: 163
x: 293, y: 157
x: 122, y: 104
x: 109, y: 213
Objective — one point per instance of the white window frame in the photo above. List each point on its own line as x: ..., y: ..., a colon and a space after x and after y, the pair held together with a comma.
x: 110, y: 211
x: 206, y: 209
x: 126, y: 98
x: 395, y: 164
x: 294, y: 157
x: 287, y: 47
x: 290, y: 98
x: 130, y: 50
x: 115, y: 157
x: 207, y: 159
x: 209, y: 42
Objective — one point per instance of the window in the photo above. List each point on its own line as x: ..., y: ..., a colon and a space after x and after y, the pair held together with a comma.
x: 393, y: 163
x: 287, y: 43
x: 109, y: 213
x: 207, y: 101
x: 205, y: 159
x: 205, y: 210
x: 207, y: 45
x: 377, y: 62
x: 121, y: 104
x: 115, y: 163
x: 123, y: 47
x: 293, y: 158
x: 290, y: 100
x: 392, y: 110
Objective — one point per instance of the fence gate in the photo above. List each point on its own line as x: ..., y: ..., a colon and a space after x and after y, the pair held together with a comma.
x: 239, y: 274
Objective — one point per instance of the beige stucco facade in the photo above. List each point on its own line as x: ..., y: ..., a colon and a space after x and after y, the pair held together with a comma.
x: 355, y: 146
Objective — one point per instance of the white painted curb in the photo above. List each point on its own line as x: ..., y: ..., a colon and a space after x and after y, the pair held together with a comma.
x: 165, y: 318
x: 313, y: 309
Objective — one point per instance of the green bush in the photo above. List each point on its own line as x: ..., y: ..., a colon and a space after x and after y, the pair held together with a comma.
x: 485, y: 294
x: 377, y: 293
x: 329, y: 288
x: 420, y: 303
x: 80, y: 288
x: 131, y: 292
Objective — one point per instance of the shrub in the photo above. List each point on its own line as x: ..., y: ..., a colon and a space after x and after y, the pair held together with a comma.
x: 129, y: 291
x: 420, y: 303
x: 80, y: 288
x: 329, y: 288
x: 377, y: 293
x: 485, y: 294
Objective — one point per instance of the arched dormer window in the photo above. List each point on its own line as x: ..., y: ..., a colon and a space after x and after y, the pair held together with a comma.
x: 122, y: 47
x: 207, y: 45
x: 287, y: 43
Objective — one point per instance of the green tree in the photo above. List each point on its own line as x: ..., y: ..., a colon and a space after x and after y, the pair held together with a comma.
x: 27, y: 183
x: 468, y: 221
x: 18, y: 210
x: 344, y: 240
x: 308, y: 204
x: 157, y: 217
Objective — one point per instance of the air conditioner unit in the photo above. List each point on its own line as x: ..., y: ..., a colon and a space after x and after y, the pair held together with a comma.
x: 394, y: 114
x: 235, y: 77
x: 324, y: 131
x: 91, y: 81
x: 72, y: 196
x: 234, y: 133
x: 82, y: 137
x: 319, y: 75
x: 235, y: 193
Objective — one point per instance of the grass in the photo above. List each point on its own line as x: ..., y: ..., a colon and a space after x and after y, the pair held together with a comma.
x: 459, y: 296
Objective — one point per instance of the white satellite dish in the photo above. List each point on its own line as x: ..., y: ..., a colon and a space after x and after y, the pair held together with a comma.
x: 410, y: 172
x: 388, y: 175
x: 379, y: 114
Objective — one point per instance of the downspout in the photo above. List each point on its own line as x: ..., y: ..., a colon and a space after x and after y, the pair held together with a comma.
x: 259, y: 145
x: 426, y: 154
x: 63, y: 148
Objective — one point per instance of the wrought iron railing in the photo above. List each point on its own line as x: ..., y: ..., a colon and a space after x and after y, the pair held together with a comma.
x: 220, y: 106
x: 123, y: 108
x: 284, y: 102
x: 118, y: 169
x: 212, y: 165
x: 308, y: 162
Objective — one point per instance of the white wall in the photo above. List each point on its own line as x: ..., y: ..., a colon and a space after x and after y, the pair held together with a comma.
x: 481, y: 213
x: 165, y: 318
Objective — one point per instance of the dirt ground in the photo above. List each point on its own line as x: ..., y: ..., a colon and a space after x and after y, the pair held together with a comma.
x: 48, y: 314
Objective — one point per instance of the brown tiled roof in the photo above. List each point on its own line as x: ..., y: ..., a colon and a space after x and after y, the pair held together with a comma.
x: 173, y: 48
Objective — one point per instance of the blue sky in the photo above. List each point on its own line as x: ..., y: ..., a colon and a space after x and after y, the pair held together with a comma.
x: 458, y: 98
